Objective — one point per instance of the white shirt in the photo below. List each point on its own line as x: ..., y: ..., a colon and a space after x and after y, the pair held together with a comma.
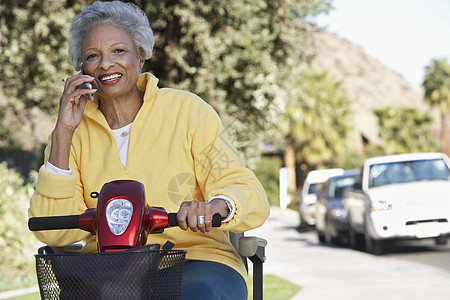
x: 123, y: 140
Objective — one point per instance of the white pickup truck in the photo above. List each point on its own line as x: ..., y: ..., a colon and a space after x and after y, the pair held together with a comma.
x: 404, y: 196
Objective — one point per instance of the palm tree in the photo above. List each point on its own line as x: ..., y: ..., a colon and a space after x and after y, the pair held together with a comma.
x: 315, y: 122
x: 406, y: 129
x: 437, y: 93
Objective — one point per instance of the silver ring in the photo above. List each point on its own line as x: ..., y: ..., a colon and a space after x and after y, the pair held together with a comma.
x: 201, y: 220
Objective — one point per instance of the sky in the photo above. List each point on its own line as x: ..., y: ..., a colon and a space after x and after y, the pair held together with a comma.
x: 405, y: 35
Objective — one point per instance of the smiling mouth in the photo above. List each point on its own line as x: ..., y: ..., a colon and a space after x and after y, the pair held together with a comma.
x: 110, y: 78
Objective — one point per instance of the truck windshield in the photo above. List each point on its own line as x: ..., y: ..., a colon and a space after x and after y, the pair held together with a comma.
x: 408, y: 171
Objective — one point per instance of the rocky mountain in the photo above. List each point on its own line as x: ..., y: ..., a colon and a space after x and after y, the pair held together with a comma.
x: 369, y: 84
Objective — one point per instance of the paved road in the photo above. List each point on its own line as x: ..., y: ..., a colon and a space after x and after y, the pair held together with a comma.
x: 423, y: 251
x: 327, y: 272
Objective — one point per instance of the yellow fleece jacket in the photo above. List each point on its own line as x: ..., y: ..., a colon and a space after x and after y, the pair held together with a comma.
x: 178, y: 150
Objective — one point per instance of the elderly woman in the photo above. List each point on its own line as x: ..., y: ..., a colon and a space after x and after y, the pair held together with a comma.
x: 169, y: 140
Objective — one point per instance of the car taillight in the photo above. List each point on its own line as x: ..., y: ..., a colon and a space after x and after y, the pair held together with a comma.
x: 118, y: 215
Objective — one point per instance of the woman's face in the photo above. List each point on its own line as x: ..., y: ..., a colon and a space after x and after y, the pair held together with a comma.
x: 110, y: 55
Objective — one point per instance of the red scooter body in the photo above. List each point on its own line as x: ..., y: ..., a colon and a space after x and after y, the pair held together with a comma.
x: 131, y: 232
x: 118, y: 198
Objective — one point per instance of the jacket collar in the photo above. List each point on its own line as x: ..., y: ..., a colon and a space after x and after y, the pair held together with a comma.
x: 149, y: 83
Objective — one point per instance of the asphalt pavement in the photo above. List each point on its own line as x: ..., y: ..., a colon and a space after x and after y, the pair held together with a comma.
x: 328, y: 272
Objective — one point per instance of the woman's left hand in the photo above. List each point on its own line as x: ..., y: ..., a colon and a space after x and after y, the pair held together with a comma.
x: 192, y: 213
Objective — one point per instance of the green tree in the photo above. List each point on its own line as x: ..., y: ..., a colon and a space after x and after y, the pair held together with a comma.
x: 406, y: 129
x: 437, y: 93
x: 34, y: 51
x: 315, y: 122
x: 34, y: 59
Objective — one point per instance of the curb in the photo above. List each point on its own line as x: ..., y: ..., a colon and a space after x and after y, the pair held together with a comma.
x: 16, y: 293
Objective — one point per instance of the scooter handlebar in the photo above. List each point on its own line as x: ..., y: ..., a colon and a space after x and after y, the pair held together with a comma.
x: 53, y: 223
x: 216, y: 220
x: 72, y: 222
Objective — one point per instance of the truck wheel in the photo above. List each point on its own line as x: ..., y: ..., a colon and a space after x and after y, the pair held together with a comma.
x: 375, y: 247
x: 355, y: 239
x: 329, y: 239
x: 303, y: 225
x: 300, y: 221
x: 320, y: 236
x: 441, y: 240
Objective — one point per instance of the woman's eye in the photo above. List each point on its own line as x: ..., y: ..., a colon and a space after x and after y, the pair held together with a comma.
x: 119, y: 51
x: 91, y: 56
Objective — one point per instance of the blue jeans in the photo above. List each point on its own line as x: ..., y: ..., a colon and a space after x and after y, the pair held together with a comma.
x: 205, y: 280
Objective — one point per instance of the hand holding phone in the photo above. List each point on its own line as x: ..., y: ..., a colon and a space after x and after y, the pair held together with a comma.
x: 86, y: 85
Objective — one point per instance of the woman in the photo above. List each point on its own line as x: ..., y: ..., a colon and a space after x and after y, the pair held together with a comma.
x: 167, y: 139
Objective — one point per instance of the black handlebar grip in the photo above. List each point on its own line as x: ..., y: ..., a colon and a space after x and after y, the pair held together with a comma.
x: 216, y: 220
x: 53, y: 223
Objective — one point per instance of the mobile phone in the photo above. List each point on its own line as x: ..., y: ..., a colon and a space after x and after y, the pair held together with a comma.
x: 86, y: 85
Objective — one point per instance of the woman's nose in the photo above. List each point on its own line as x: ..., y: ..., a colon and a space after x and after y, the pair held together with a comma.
x: 106, y: 62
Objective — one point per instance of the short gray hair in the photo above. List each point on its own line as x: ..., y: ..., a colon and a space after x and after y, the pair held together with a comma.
x: 127, y: 15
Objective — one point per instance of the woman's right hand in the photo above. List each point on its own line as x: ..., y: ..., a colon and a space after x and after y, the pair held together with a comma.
x: 73, y: 101
x: 69, y: 117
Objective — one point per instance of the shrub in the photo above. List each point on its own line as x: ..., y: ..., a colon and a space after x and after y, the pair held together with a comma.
x: 268, y: 172
x: 16, y: 241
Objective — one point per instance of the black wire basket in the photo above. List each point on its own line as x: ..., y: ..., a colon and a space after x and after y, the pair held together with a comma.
x: 140, y: 273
